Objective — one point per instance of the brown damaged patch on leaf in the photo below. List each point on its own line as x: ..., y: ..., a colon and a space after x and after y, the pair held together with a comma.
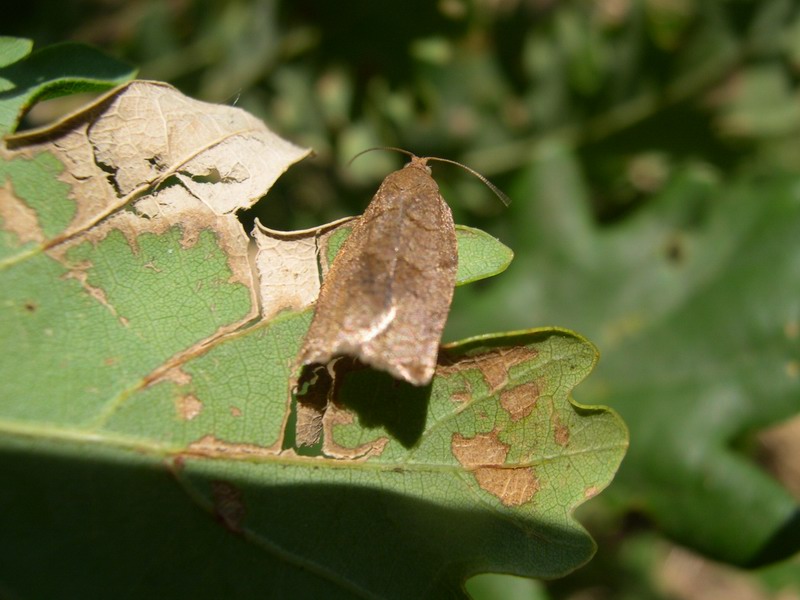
x: 458, y: 396
x: 591, y: 491
x: 312, y: 391
x: 174, y: 375
x: 18, y: 218
x: 485, y: 456
x: 287, y: 271
x: 560, y: 433
x: 290, y: 265
x: 520, y: 401
x: 309, y: 424
x: 493, y: 365
x: 513, y: 487
x: 210, y: 446
x: 188, y: 407
x: 236, y: 411
x: 159, y: 213
x: 229, y: 506
x: 130, y: 141
x: 483, y: 449
x: 335, y: 416
x: 461, y: 397
x: 79, y: 273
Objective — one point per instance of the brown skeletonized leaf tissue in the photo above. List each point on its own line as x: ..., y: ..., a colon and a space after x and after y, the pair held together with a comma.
x: 386, y: 298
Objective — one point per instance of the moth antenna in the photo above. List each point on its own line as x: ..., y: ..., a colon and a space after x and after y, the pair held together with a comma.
x: 350, y: 162
x: 497, y: 191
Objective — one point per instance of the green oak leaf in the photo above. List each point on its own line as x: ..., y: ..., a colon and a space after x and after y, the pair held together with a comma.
x: 146, y: 396
x: 28, y: 77
x: 13, y: 49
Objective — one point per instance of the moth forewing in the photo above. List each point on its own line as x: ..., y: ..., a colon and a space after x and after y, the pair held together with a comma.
x: 386, y: 297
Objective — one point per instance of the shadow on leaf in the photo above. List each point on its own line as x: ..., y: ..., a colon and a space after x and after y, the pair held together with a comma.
x: 141, y: 530
x: 379, y: 400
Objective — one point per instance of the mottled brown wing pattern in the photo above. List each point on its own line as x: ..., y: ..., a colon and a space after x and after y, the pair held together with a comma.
x: 386, y: 297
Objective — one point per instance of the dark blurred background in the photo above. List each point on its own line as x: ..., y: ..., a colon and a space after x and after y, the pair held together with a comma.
x: 651, y: 149
x: 639, y: 88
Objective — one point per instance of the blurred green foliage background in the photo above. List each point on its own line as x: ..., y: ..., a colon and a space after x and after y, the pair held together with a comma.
x: 639, y: 88
x: 652, y: 152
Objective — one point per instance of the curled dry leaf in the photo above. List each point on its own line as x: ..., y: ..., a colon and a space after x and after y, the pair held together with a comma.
x: 127, y: 145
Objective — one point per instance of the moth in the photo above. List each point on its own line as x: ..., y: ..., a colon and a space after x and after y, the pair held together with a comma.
x: 387, y: 294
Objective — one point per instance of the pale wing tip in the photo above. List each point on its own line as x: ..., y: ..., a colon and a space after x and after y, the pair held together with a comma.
x: 416, y: 374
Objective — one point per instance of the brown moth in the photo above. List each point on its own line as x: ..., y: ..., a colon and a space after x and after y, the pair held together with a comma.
x: 386, y: 297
